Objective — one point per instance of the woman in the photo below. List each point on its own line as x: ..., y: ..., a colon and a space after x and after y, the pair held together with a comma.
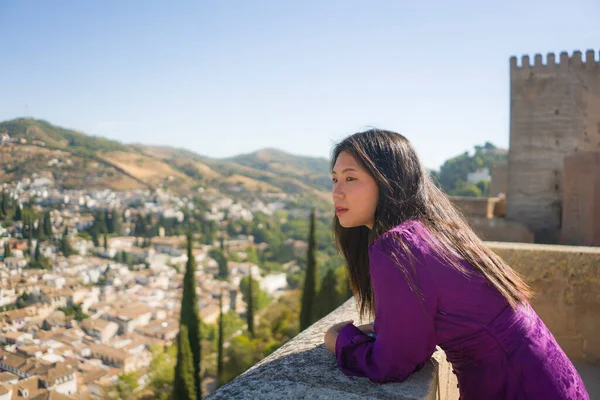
x: 429, y: 280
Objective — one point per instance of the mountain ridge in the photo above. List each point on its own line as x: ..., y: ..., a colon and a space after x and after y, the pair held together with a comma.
x: 156, y: 165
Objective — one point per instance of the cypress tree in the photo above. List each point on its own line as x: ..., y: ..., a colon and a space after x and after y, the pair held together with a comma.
x: 18, y: 213
x: 307, y: 312
x: 4, y: 207
x: 38, y: 255
x: 105, y: 243
x: 183, y: 383
x: 328, y: 298
x: 94, y: 238
x: 47, y: 225
x: 250, y: 310
x: 39, y: 231
x: 108, y: 222
x: 189, y: 314
x: 6, y: 250
x: 29, y: 247
x: 65, y: 245
x: 220, y: 344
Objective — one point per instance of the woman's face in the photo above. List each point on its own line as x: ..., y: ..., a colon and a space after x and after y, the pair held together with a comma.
x: 354, y: 192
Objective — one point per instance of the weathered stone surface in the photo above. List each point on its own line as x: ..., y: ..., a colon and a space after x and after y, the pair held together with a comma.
x: 565, y: 281
x: 581, y: 200
x: 554, y: 112
x: 477, y: 207
x: 499, y: 182
x: 500, y: 230
x: 304, y: 369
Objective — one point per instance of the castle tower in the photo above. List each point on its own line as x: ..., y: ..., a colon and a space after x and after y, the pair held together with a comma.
x: 554, y: 112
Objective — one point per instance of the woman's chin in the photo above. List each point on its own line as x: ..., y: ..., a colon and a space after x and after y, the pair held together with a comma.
x: 348, y: 224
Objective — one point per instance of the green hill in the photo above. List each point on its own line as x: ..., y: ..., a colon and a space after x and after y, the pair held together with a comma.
x: 57, y: 137
x: 78, y: 160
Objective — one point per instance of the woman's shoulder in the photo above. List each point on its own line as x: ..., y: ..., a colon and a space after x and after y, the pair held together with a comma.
x: 412, y: 233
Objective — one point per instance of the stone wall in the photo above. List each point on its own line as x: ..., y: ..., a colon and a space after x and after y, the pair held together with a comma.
x: 581, y: 199
x: 500, y: 230
x: 304, y: 369
x: 554, y: 111
x: 499, y: 182
x: 566, y: 282
x: 479, y: 207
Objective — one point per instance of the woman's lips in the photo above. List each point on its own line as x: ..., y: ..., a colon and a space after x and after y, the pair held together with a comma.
x: 340, y: 211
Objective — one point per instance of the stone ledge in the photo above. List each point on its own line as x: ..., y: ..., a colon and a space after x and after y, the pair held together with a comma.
x: 304, y: 368
x: 544, y: 247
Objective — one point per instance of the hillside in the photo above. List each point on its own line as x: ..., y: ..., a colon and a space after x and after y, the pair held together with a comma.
x: 57, y: 137
x: 75, y: 160
x: 225, y: 173
x: 312, y: 169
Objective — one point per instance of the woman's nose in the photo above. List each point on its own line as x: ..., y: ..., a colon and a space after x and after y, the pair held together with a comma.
x: 337, y: 193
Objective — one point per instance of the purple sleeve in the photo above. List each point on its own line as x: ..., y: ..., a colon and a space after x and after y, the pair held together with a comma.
x: 404, y: 321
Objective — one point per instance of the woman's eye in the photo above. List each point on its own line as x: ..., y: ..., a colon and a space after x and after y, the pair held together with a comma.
x: 349, y: 179
x: 334, y: 180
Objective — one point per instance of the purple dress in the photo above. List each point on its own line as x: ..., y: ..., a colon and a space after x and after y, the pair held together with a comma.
x: 496, y: 352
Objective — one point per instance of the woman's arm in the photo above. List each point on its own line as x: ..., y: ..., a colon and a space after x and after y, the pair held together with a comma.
x: 404, y: 320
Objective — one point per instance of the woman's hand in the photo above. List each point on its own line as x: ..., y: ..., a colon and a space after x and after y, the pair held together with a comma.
x: 367, y: 328
x: 332, y: 334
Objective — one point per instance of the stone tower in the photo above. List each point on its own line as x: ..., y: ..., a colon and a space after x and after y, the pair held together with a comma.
x: 554, y: 112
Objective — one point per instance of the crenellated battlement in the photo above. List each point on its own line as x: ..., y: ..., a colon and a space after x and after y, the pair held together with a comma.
x: 564, y: 61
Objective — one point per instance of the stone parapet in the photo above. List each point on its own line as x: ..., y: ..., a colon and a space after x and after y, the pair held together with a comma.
x: 304, y: 369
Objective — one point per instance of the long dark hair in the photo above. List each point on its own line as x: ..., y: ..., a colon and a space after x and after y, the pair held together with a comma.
x: 407, y: 192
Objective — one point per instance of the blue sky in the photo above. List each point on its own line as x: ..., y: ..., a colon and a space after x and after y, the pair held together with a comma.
x: 228, y: 77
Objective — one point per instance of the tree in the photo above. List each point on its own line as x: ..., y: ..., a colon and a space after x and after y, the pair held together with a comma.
x: 328, y: 298
x: 140, y: 226
x: 37, y: 258
x: 47, y: 225
x: 252, y: 255
x: 466, y: 189
x: 30, y: 248
x: 307, y: 313
x: 454, y: 172
x: 39, y: 230
x: 95, y: 239
x: 126, y: 386
x: 65, y: 244
x: 250, y: 304
x: 260, y: 298
x: 220, y: 258
x: 6, y: 250
x: 116, y: 222
x: 18, y: 213
x: 220, y: 343
x: 240, y: 356
x: 189, y: 317
x: 484, y: 187
x: 184, y: 385
x: 5, y: 206
x: 105, y: 243
x: 162, y: 371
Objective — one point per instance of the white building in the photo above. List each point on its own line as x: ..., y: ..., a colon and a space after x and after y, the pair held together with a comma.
x: 274, y: 282
x: 482, y: 174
